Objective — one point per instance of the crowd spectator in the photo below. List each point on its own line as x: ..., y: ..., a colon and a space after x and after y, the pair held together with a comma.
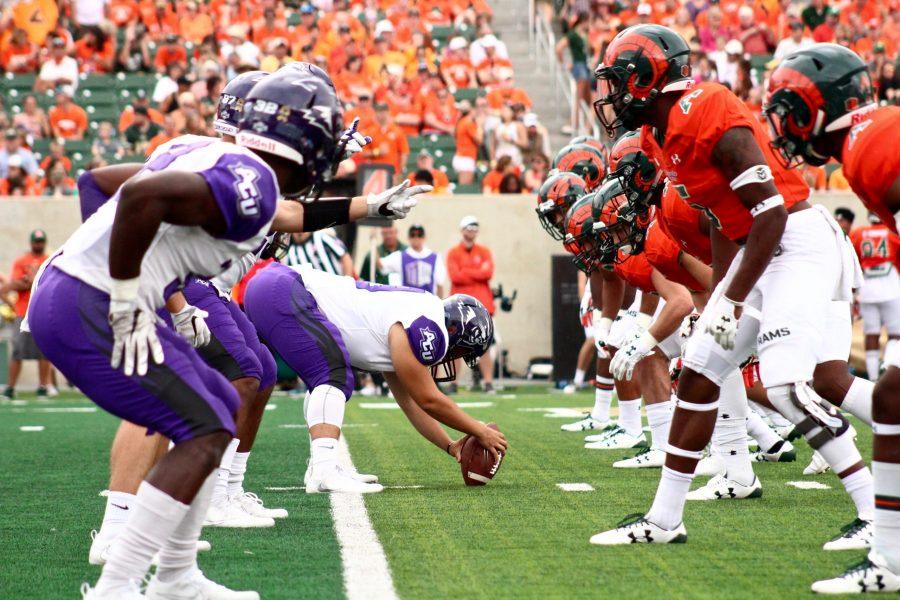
x: 169, y: 132
x: 95, y: 51
x: 797, y: 40
x: 58, y: 70
x: 510, y: 137
x: 67, y: 120
x: 20, y: 54
x: 140, y: 101
x: 389, y: 144
x: 492, y: 180
x: 106, y: 144
x: 56, y: 182
x: 141, y: 131
x: 17, y: 181
x: 436, y: 178
x: 32, y: 120
x: 470, y: 267
x: 417, y: 266
x: 23, y: 346
x: 536, y: 173
x: 389, y: 243
x: 469, y: 138
x: 57, y: 152
x: 12, y: 147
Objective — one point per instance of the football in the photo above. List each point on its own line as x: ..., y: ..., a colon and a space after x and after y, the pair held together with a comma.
x: 478, y: 467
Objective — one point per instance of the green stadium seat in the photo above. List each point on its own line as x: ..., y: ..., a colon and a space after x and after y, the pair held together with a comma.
x: 102, y: 113
x: 470, y: 94
x: 440, y: 142
x: 97, y: 97
x: 41, y: 146
x: 97, y: 81
x: 136, y: 81
x: 74, y: 148
x: 19, y: 81
x: 467, y: 188
x: 443, y: 33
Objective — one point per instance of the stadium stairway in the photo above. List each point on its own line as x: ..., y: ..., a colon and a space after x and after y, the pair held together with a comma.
x: 511, y: 25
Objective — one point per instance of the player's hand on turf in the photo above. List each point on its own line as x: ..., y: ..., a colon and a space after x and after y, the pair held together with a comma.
x: 626, y: 359
x: 352, y: 141
x: 493, y: 441
x: 134, y: 338
x: 455, y: 448
x: 190, y: 323
x: 723, y: 325
x: 396, y: 202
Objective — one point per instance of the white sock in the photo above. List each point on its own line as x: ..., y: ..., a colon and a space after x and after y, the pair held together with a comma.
x: 179, y: 554
x: 236, y: 474
x: 118, y: 509
x: 323, y: 453
x: 861, y: 488
x: 858, y: 401
x: 668, y: 505
x: 760, y: 431
x: 155, y: 515
x: 220, y: 493
x: 579, y: 377
x: 873, y: 363
x: 603, y: 387
x: 730, y: 442
x: 659, y: 417
x: 630, y: 416
x: 887, y: 520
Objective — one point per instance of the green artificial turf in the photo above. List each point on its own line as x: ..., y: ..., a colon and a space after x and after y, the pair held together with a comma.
x: 518, y: 537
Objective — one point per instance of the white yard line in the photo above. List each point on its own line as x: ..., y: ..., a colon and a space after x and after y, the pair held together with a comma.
x: 394, y: 405
x: 366, y: 572
x: 575, y: 487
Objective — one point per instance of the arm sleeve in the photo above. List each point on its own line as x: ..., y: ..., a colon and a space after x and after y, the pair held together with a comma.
x: 246, y: 193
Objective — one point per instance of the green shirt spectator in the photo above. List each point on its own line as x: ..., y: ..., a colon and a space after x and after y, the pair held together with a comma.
x: 389, y: 243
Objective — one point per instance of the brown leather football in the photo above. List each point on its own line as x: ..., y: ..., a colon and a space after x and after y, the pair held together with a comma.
x: 478, y: 466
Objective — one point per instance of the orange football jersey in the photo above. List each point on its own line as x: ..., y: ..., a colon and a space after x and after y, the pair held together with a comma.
x: 696, y: 124
x: 876, y: 246
x: 869, y: 165
x: 635, y: 270
x: 681, y: 222
x: 663, y: 254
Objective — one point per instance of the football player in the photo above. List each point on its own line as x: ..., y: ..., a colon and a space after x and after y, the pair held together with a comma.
x: 820, y: 105
x: 325, y: 325
x: 775, y: 293
x: 191, y: 210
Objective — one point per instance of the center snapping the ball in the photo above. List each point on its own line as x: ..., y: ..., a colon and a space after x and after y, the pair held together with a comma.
x: 478, y: 466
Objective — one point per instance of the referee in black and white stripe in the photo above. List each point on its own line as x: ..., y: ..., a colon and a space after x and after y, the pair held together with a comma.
x: 322, y: 250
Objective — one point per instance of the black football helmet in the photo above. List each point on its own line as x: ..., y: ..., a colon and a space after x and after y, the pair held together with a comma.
x: 813, y: 92
x: 470, y: 328
x: 642, y: 62
x: 557, y: 194
x: 581, y: 241
x: 585, y: 161
x: 620, y: 226
x: 638, y: 175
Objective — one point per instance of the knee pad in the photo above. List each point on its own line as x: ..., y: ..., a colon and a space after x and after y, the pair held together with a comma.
x: 840, y: 452
x: 800, y: 405
x: 324, y: 404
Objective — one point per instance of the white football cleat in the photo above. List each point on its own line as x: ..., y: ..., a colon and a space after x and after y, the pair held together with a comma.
x: 588, y: 423
x: 856, y: 535
x: 782, y: 451
x: 710, y: 466
x: 194, y: 586
x: 722, y: 488
x: 787, y: 432
x: 866, y: 576
x: 253, y: 504
x: 604, y: 433
x: 231, y: 513
x: 635, y: 529
x: 100, y: 545
x: 646, y: 458
x: 132, y: 592
x: 619, y: 439
x: 817, y: 465
x: 362, y: 477
x: 570, y: 389
x: 338, y: 480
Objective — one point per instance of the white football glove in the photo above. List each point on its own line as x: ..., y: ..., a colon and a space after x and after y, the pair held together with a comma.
x: 601, y: 328
x: 687, y: 325
x: 723, y: 325
x: 134, y: 330
x: 396, y: 202
x: 623, y: 363
x: 352, y: 141
x: 190, y: 323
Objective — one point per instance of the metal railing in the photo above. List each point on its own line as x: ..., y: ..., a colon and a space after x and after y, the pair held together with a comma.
x: 542, y: 44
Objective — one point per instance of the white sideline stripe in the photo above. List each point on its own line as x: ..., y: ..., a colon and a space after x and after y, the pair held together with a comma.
x: 31, y: 428
x: 366, y: 572
x: 575, y: 487
x: 294, y: 488
x: 393, y: 405
x: 808, y: 485
x: 66, y: 409
x: 344, y: 426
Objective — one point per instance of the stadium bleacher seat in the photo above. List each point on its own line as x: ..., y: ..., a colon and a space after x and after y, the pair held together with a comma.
x: 19, y: 81
x: 97, y: 81
x: 469, y: 94
x: 98, y: 114
x: 467, y: 188
x: 96, y: 97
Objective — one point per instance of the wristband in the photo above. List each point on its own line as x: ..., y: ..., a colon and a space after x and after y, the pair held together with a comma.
x: 124, y: 290
x: 604, y: 324
x: 644, y: 320
x: 755, y: 174
x: 732, y: 302
x: 647, y: 341
x: 323, y: 214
